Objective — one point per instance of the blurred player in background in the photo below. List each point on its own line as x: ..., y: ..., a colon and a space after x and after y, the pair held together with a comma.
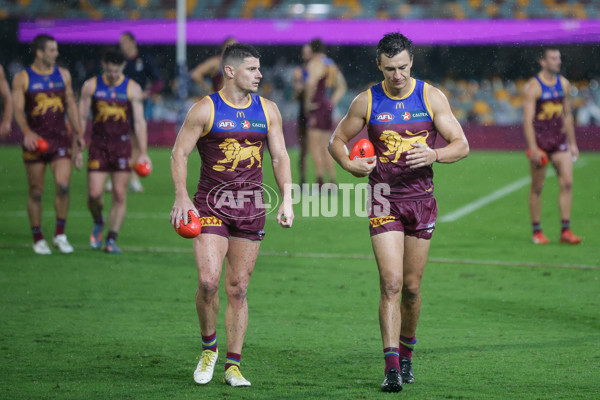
x: 42, y: 95
x: 7, y: 114
x: 211, y: 68
x: 116, y: 103
x: 142, y: 68
x: 403, y: 116
x: 300, y: 76
x: 230, y: 128
x: 548, y: 126
x: 323, y: 76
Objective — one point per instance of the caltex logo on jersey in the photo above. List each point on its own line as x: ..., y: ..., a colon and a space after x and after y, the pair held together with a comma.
x: 385, y: 117
x: 226, y: 124
x: 405, y: 116
x: 246, y: 124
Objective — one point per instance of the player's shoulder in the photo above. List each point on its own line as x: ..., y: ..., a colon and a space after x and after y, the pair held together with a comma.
x: 564, y: 81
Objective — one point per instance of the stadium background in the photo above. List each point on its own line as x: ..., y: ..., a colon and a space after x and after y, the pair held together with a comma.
x: 501, y: 318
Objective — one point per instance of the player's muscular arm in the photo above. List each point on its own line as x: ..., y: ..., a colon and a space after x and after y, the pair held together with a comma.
x: 209, y: 67
x: 29, y: 136
x: 7, y: 115
x: 568, y: 123
x: 85, y: 100
x: 340, y: 87
x: 350, y: 126
x: 281, y: 164
x: 195, y: 124
x: 139, y: 123
x: 72, y: 110
x: 532, y: 92
x: 448, y: 127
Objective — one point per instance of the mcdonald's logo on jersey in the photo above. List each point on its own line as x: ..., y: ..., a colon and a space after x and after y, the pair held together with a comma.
x: 400, y: 106
x: 240, y: 114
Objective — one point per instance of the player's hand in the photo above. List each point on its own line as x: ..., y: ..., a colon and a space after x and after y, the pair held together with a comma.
x: 574, y: 152
x: 180, y: 210
x: 5, y: 129
x: 30, y: 141
x: 535, y: 156
x: 78, y: 159
x: 420, y: 155
x: 361, y: 167
x: 143, y: 158
x: 285, y: 215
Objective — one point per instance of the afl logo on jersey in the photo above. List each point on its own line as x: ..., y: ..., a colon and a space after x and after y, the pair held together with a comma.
x: 385, y: 117
x: 226, y: 124
x: 245, y: 124
x: 405, y: 116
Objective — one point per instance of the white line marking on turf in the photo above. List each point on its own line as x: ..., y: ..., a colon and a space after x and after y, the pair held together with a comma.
x: 435, y: 260
x: 498, y: 194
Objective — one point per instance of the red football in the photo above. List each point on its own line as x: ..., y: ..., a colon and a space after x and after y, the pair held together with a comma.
x: 362, y: 149
x: 143, y: 169
x: 192, y: 228
x: 544, y: 159
x: 42, y: 146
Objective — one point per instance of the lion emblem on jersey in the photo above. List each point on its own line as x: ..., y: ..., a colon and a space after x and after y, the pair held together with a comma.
x: 396, y: 144
x: 46, y: 102
x: 234, y: 153
x: 550, y: 110
x: 106, y: 111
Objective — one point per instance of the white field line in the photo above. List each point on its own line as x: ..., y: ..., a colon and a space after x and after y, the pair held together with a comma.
x: 367, y: 257
x: 495, y: 195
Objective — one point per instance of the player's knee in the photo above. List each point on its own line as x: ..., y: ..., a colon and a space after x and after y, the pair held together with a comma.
x: 120, y: 196
x: 566, y: 185
x: 537, y: 190
x: 36, y: 196
x: 208, y: 286
x: 391, y: 287
x: 410, y: 293
x: 62, y: 190
x: 237, y: 290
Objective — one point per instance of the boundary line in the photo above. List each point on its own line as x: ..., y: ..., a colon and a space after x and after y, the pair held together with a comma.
x: 370, y: 257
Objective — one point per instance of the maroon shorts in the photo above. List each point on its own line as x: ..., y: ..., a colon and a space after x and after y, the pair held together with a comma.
x: 228, y: 216
x: 552, y: 143
x: 110, y: 157
x: 413, y: 217
x: 322, y: 117
x: 58, y: 147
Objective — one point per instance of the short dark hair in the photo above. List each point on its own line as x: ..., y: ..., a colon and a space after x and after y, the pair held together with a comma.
x: 113, y: 56
x: 392, y: 44
x: 129, y: 35
x: 39, y: 42
x: 317, y: 46
x: 544, y: 50
x: 239, y: 51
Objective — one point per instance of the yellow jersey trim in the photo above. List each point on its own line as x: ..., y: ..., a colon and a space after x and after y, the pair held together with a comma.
x: 412, y: 88
x: 26, y: 80
x: 39, y: 71
x: 264, y: 107
x: 231, y: 105
x: 548, y: 83
x: 212, y: 117
x: 425, y: 86
x: 129, y: 96
x: 369, y: 106
x: 95, y: 80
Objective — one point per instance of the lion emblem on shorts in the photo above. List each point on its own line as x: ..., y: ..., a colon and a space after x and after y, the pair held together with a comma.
x: 396, y: 144
x: 46, y: 102
x: 106, y: 111
x: 234, y: 153
x: 550, y: 110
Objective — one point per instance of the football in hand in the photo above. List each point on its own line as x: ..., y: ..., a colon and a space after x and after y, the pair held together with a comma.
x: 191, y: 228
x: 42, y: 146
x: 544, y: 159
x: 362, y: 149
x: 143, y: 169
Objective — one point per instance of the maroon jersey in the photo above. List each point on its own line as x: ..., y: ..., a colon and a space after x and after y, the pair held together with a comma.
x: 232, y: 149
x: 548, y: 120
x: 111, y: 111
x: 45, y: 103
x: 394, y: 124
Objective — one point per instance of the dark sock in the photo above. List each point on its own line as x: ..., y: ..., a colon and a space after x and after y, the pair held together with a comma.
x: 392, y: 359
x: 407, y: 346
x: 60, y: 226
x: 99, y: 220
x: 565, y: 224
x: 233, y: 359
x: 112, y: 236
x: 37, y: 233
x: 209, y: 342
x: 536, y: 227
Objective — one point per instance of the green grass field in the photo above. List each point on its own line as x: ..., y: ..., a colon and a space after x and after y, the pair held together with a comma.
x: 501, y: 318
